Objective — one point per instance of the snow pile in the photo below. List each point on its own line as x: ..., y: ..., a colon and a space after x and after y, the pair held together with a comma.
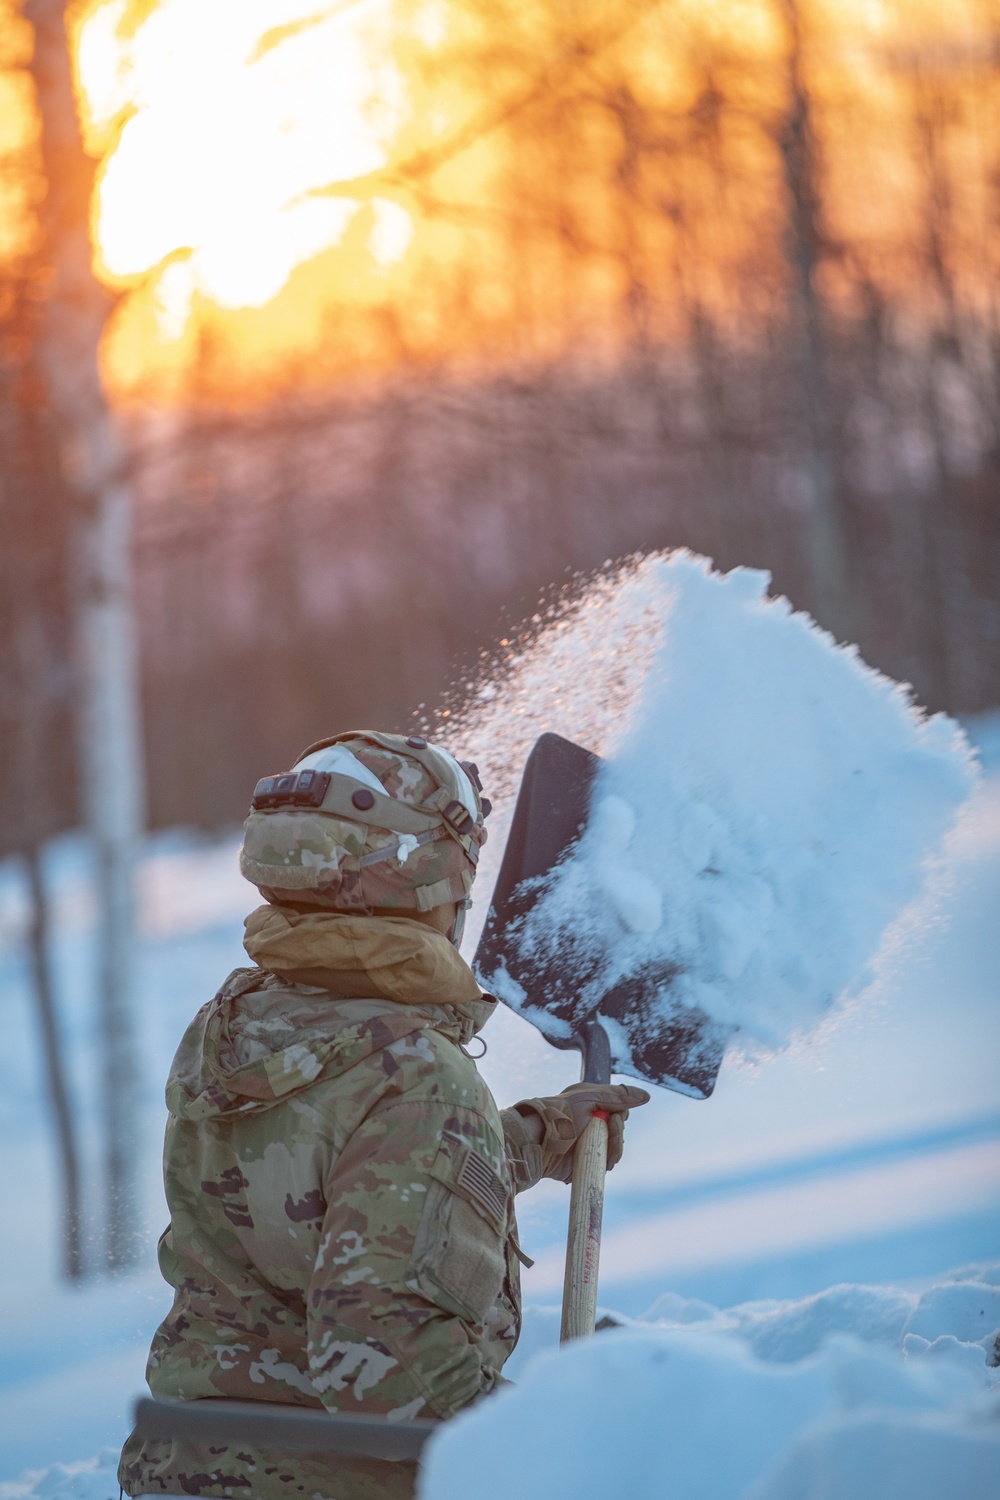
x: 862, y: 1393
x: 964, y: 1309
x: 859, y: 1393
x: 770, y: 811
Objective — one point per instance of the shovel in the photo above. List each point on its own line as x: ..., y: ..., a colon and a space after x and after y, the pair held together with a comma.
x: 651, y: 1037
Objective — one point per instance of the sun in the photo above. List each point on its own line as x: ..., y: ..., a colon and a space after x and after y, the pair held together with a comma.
x: 217, y: 119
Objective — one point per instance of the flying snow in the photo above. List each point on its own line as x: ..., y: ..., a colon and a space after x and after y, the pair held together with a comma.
x: 768, y: 805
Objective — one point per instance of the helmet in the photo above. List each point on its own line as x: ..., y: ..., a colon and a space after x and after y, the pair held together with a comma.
x: 365, y: 821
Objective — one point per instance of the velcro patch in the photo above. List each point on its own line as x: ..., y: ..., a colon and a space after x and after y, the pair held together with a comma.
x: 480, y: 1181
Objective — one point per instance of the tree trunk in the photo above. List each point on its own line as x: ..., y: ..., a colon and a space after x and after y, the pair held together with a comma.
x: 38, y: 935
x: 833, y: 597
x: 110, y: 754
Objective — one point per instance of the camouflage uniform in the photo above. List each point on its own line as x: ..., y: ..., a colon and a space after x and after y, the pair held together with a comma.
x: 340, y: 1185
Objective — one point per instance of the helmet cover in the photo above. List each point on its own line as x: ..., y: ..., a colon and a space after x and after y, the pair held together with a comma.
x: 366, y: 821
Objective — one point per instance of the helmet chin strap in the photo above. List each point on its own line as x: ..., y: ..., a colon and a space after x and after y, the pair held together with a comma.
x: 457, y: 929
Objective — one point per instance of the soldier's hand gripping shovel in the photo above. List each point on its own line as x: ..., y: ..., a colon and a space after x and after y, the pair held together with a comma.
x: 559, y: 989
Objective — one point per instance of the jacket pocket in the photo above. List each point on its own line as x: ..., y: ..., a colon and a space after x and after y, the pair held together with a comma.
x: 459, y: 1255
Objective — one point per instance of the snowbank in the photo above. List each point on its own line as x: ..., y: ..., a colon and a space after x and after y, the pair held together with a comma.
x: 861, y: 1393
x: 855, y: 1394
x: 768, y: 815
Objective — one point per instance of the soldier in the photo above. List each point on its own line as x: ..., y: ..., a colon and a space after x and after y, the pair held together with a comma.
x: 339, y: 1178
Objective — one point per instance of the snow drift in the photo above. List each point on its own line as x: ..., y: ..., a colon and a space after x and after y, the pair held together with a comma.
x: 769, y: 808
x: 861, y: 1393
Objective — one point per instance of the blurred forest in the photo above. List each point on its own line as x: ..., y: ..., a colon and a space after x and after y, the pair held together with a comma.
x: 720, y: 276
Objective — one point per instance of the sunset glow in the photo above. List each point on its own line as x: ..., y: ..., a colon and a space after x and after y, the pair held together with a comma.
x: 291, y: 192
x: 234, y: 111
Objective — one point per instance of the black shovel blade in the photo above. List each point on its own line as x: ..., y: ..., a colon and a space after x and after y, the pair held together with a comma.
x: 664, y: 1042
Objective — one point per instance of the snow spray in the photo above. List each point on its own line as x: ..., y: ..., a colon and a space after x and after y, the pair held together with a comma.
x: 769, y: 804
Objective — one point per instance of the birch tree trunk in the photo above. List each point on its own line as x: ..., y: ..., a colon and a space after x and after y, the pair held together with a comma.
x: 55, y: 1072
x: 833, y: 596
x: 91, y: 450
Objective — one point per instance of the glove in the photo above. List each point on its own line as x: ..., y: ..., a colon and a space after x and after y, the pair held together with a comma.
x: 566, y: 1116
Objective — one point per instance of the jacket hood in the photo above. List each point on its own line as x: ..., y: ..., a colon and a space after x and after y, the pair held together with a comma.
x: 329, y: 990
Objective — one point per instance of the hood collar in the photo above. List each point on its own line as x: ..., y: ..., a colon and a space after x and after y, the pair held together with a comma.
x: 376, y: 958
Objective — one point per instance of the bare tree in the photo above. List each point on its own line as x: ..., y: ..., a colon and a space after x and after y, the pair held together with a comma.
x: 806, y: 242
x: 92, y: 458
x: 33, y: 511
x: 39, y: 927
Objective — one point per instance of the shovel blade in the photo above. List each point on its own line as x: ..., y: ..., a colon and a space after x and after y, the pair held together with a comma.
x: 652, y: 1037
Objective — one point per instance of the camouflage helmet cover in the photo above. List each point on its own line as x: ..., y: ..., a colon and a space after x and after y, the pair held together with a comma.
x: 364, y: 821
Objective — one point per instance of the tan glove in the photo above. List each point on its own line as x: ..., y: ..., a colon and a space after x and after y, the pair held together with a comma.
x: 565, y: 1117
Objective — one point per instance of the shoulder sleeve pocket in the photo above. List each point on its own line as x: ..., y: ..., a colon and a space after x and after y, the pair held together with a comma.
x: 459, y: 1260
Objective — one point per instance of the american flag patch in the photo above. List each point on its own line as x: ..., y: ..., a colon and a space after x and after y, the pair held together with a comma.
x: 480, y: 1181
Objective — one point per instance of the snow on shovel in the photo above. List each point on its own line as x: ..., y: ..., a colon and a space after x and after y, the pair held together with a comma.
x: 739, y: 863
x: 557, y: 987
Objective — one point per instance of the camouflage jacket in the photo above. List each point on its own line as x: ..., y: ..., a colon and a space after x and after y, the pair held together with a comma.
x: 340, y: 1186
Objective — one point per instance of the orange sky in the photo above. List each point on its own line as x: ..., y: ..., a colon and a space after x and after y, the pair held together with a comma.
x: 216, y: 120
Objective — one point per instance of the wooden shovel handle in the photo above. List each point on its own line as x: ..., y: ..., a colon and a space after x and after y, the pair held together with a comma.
x: 583, y: 1249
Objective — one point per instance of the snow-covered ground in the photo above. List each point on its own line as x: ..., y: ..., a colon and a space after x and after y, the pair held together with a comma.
x: 870, y: 1155
x: 858, y: 1394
